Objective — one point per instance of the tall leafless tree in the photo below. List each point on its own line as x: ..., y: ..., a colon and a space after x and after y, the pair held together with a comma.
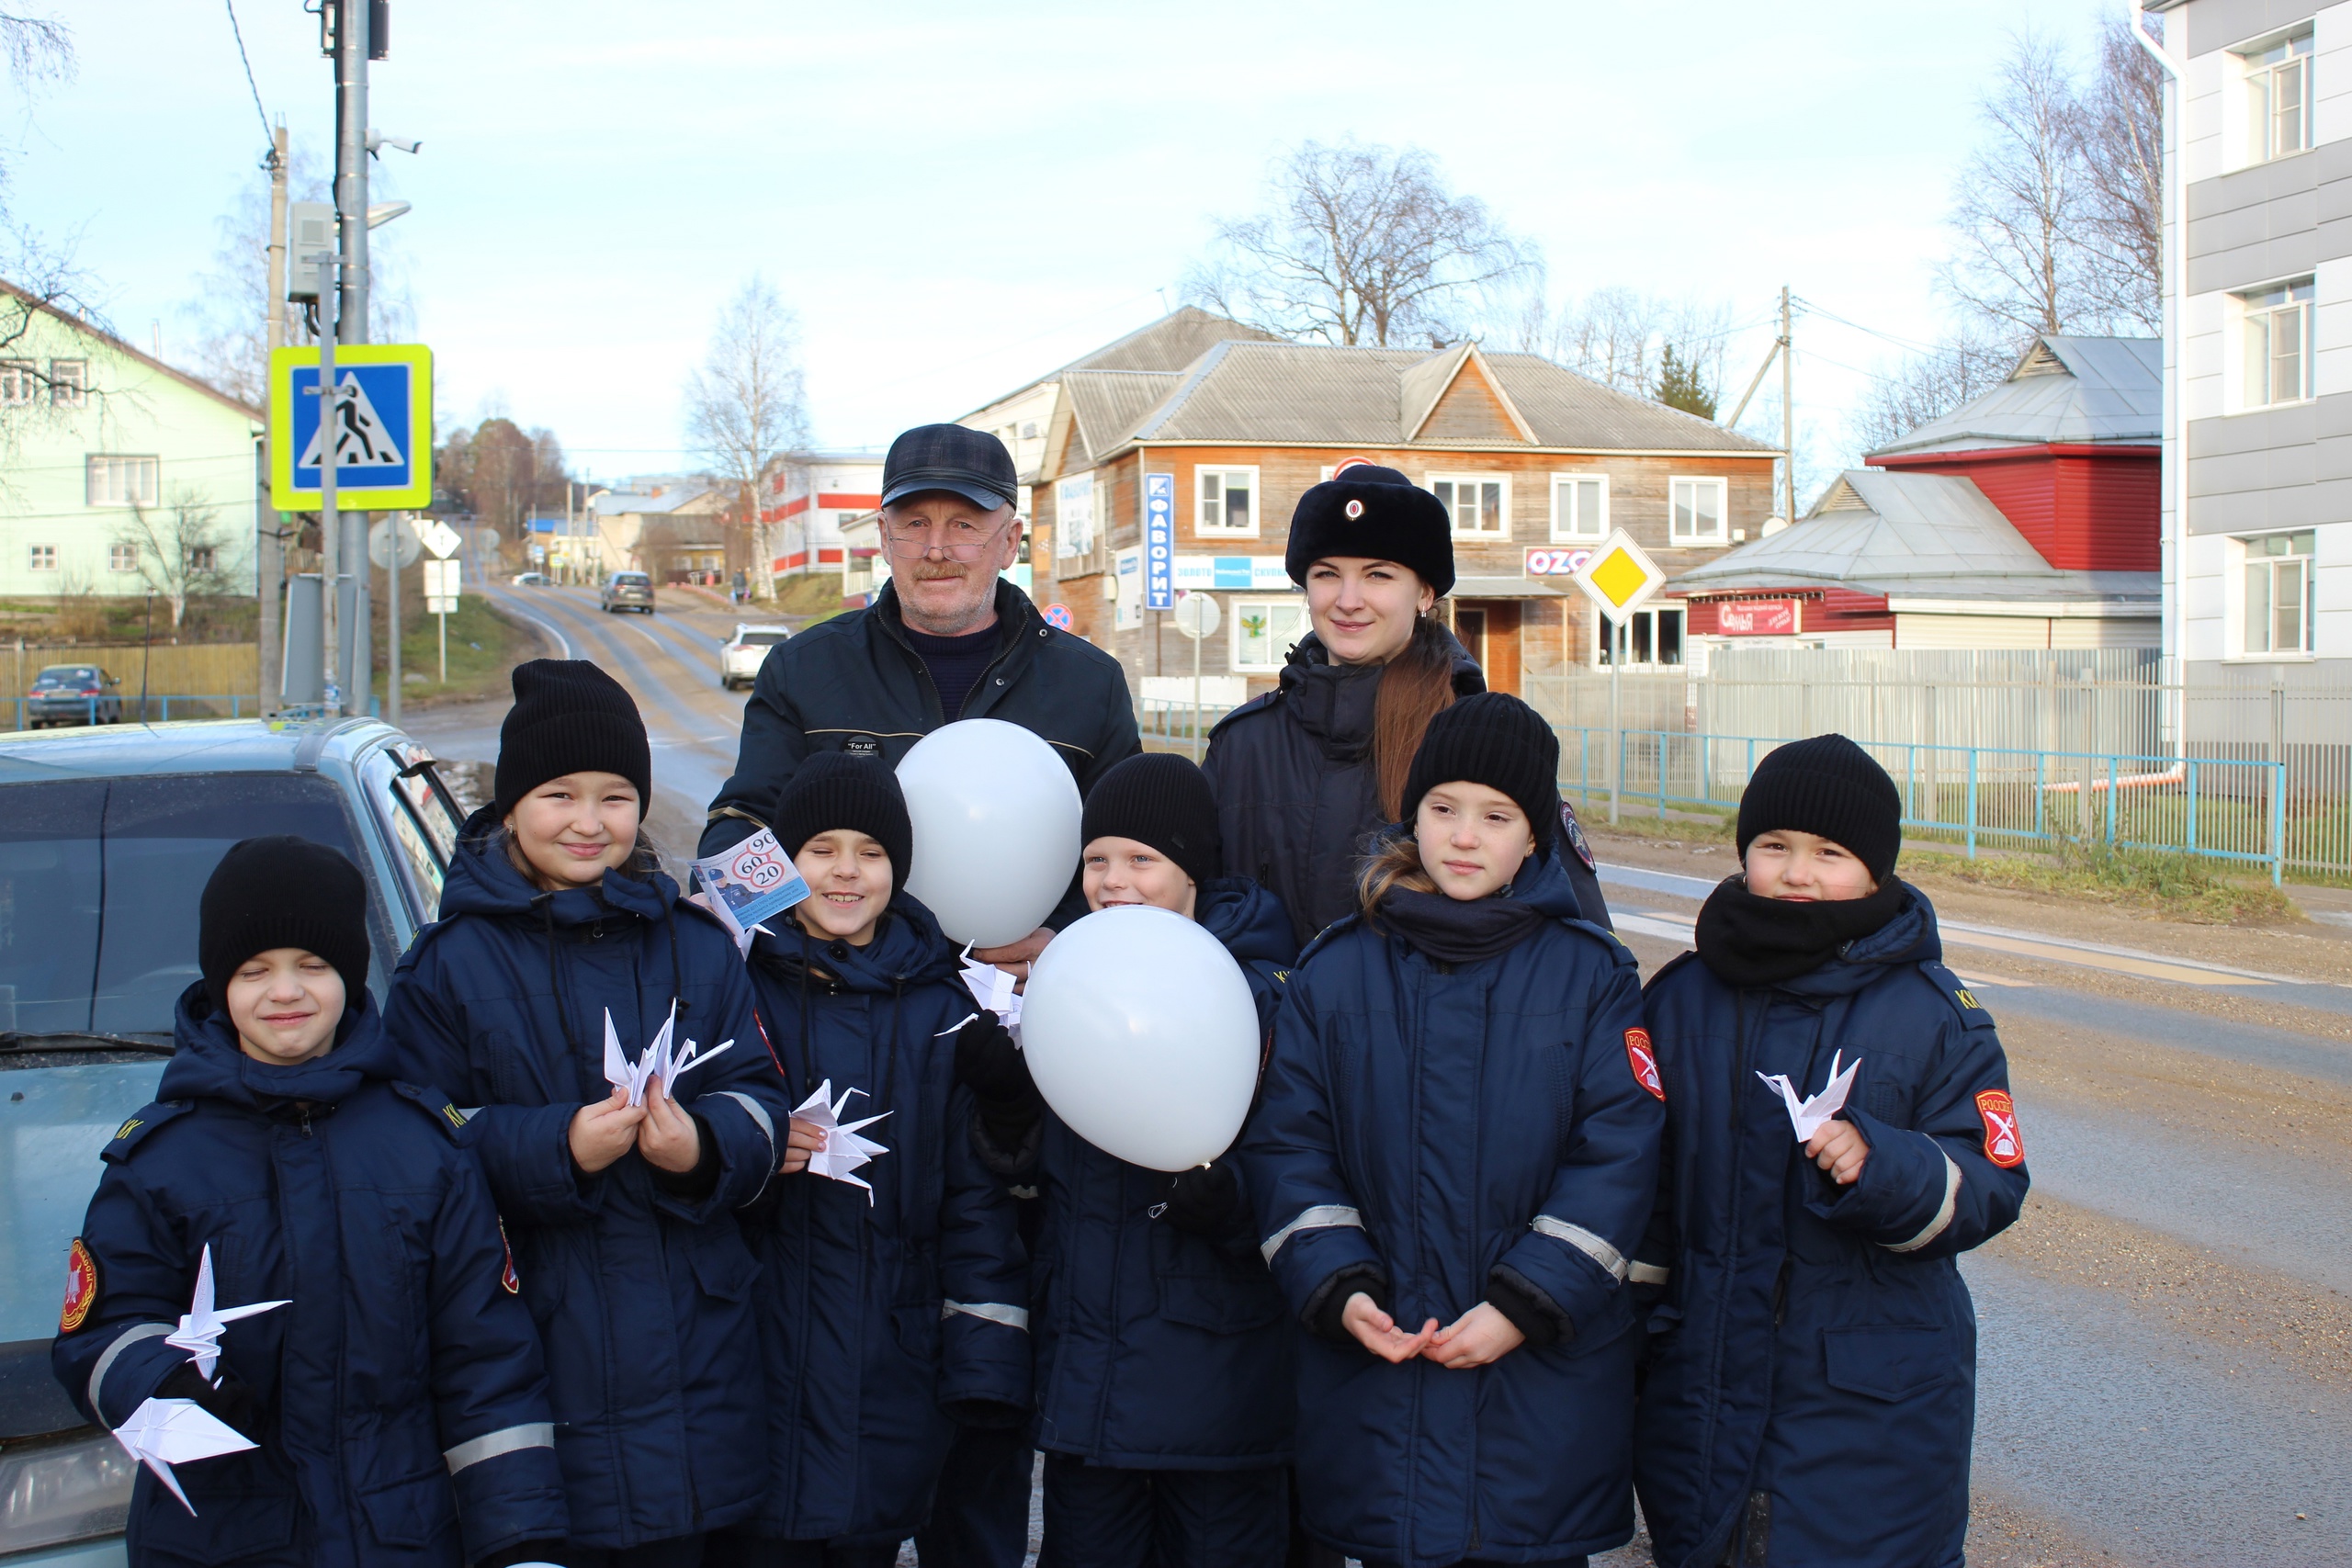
x: 2021, y: 218
x: 1619, y: 337
x: 746, y: 405
x: 1361, y: 244
x: 2122, y: 152
x: 35, y: 51
x: 179, y: 550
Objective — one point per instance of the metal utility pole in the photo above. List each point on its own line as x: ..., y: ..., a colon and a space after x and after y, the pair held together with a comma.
x: 1788, y: 420
x: 351, y: 163
x: 269, y: 555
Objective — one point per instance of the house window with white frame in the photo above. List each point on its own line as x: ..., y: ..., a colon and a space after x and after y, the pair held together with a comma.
x: 1264, y: 631
x: 20, y: 380
x: 124, y: 481
x: 1650, y: 639
x: 2280, y: 592
x: 69, y: 382
x: 2279, y: 99
x: 41, y: 558
x: 122, y: 557
x: 1229, y: 502
x: 1579, y: 507
x: 2279, y: 337
x: 205, y: 557
x: 1697, y: 510
x: 1478, y: 503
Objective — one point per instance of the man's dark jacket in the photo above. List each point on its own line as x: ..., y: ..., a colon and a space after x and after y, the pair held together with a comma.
x: 854, y: 683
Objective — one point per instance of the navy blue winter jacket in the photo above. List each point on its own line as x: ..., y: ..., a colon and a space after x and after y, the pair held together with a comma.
x: 1158, y: 1348
x: 641, y: 1294
x: 887, y: 1315
x: 1454, y: 1129
x: 1815, y: 1343
x: 401, y: 1407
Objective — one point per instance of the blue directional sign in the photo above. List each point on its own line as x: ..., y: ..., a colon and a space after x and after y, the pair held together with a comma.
x: 382, y: 427
x: 1160, y: 541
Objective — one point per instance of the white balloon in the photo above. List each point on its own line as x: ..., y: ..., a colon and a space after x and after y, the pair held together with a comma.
x: 1141, y: 1034
x: 996, y: 821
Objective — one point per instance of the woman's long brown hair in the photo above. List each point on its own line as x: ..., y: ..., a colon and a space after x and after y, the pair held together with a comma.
x: 1396, y: 862
x: 1416, y: 685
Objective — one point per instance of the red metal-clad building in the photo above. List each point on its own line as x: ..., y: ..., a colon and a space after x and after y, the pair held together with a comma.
x: 2027, y: 518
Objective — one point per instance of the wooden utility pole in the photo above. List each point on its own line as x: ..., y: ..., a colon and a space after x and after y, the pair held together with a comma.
x: 1788, y: 420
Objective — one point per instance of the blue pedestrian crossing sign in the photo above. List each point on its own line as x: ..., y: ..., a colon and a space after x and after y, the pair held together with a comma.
x: 382, y: 428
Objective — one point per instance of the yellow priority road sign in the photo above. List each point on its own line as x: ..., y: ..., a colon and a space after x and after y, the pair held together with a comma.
x: 1620, y: 577
x: 383, y: 427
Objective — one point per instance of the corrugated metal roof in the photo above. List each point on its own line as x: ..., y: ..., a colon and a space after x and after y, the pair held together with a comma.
x: 2064, y: 390
x: 1167, y: 344
x: 1280, y: 394
x: 1106, y: 402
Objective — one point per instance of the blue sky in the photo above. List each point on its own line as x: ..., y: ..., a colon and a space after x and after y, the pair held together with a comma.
x: 958, y: 197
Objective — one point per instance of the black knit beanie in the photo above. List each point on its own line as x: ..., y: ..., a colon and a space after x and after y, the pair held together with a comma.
x: 282, y: 892
x: 1376, y: 513
x: 833, y: 790
x: 1161, y: 799
x: 1830, y: 786
x: 570, y: 718
x: 1495, y: 739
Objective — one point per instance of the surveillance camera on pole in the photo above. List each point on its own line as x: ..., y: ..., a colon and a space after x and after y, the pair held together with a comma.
x: 378, y: 141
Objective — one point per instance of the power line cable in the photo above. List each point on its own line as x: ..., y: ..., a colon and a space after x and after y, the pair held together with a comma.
x: 260, y: 113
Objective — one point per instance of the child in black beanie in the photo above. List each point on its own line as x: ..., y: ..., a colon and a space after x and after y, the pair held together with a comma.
x: 1453, y: 1153
x: 561, y: 946
x: 1829, y: 1417
x: 893, y: 1295
x: 282, y: 1156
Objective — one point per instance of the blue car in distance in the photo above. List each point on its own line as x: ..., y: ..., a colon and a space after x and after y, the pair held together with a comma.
x: 74, y: 693
x: 107, y: 837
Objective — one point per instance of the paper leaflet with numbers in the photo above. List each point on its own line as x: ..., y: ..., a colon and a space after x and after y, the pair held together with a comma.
x: 750, y: 884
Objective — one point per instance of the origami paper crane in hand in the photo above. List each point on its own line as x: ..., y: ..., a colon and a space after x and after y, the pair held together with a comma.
x: 844, y: 1151
x: 1808, y: 1116
x: 165, y: 1432
x: 199, y: 1332
x: 993, y: 988
x: 660, y: 1061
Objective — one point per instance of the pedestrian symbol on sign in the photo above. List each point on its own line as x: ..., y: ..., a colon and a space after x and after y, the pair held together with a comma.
x: 362, y: 440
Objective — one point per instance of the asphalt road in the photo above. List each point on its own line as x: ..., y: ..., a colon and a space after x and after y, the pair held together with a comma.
x: 2165, y: 1356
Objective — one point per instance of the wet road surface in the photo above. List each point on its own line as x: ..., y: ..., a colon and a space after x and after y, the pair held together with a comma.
x: 2166, y: 1350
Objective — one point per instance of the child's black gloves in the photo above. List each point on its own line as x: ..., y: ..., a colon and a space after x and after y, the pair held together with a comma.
x: 987, y: 1062
x: 1201, y: 1200
x: 230, y: 1401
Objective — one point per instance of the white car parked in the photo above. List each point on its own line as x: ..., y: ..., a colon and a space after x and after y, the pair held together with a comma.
x: 740, y: 660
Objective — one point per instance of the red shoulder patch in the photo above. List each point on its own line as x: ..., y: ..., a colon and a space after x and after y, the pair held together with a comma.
x: 81, y: 1288
x: 507, y: 1277
x: 1644, y: 1060
x: 2004, y: 1144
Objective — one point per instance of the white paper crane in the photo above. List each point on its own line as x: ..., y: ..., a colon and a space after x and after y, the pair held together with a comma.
x: 993, y: 988
x: 165, y: 1432
x: 1808, y: 1115
x: 844, y: 1151
x: 199, y: 1332
x: 660, y: 1061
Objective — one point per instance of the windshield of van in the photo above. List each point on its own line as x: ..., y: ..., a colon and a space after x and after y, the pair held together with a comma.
x: 99, y: 880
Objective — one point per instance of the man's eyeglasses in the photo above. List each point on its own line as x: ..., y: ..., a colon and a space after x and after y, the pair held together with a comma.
x: 957, y: 540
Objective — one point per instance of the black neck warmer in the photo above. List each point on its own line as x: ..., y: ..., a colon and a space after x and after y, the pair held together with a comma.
x: 1454, y: 930
x: 1751, y: 941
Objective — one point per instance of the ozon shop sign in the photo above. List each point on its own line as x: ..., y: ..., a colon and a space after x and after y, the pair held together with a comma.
x: 1555, y: 561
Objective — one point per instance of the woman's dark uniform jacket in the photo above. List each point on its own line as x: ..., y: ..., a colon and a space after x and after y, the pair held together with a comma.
x: 854, y: 683
x: 641, y: 1291
x: 1442, y: 1128
x: 884, y: 1316
x: 1813, y: 1353
x: 401, y: 1404
x: 1158, y: 1348
x: 1298, y: 798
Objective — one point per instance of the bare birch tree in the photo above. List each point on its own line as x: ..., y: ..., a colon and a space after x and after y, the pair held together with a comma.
x: 2021, y: 208
x: 1361, y: 244
x: 2122, y: 152
x: 746, y: 405
x: 178, y: 550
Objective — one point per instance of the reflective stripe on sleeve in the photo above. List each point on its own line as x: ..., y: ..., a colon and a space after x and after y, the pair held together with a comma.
x: 123, y: 1341
x: 1640, y: 1273
x: 1584, y: 1241
x: 505, y: 1440
x: 1942, y: 1222
x: 1320, y: 1217
x: 466, y: 1112
x: 756, y: 1112
x: 994, y: 1312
